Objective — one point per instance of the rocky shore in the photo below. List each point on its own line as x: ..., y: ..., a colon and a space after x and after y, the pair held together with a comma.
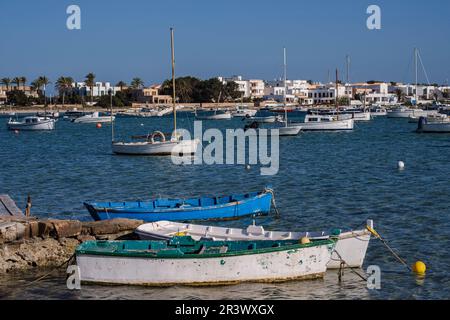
x: 29, y: 243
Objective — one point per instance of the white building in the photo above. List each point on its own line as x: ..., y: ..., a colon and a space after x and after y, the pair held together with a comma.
x: 98, y: 90
x: 249, y: 88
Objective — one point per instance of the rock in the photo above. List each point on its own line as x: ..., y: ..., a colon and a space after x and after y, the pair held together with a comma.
x: 108, y: 227
x: 85, y: 237
x: 45, y: 228
x: 11, y: 231
x: 66, y: 228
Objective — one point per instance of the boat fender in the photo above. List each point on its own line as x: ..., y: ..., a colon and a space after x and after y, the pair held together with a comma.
x: 157, y: 134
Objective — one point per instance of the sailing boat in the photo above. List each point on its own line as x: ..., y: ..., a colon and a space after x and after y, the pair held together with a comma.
x: 156, y: 143
x: 287, y: 130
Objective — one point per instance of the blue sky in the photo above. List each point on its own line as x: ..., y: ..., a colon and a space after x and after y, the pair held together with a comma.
x: 120, y: 40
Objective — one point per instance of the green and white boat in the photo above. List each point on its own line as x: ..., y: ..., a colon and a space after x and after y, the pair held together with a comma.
x: 184, y: 261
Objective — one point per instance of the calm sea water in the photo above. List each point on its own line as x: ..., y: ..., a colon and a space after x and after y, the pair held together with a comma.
x: 326, y: 180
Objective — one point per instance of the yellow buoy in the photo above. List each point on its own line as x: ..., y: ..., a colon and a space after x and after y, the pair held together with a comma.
x: 305, y: 240
x: 419, y: 267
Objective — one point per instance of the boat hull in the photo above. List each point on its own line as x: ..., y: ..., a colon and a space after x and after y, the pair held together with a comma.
x: 223, y: 116
x: 258, y: 205
x: 339, y: 125
x: 41, y: 126
x: 106, y: 119
x: 283, y: 265
x: 184, y: 147
x: 289, y: 131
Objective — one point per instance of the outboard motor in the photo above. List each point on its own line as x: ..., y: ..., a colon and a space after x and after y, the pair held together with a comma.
x: 422, y: 121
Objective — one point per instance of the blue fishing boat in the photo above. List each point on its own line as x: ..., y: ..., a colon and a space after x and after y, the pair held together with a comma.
x: 203, y: 208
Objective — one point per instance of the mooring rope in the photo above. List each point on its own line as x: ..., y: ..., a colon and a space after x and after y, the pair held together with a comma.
x: 341, y: 268
x: 274, y: 205
x: 53, y: 270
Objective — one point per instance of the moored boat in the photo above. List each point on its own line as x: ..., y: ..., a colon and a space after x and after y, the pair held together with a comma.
x: 324, y: 123
x: 215, y: 115
x: 93, y: 118
x: 184, y: 261
x: 203, y: 208
x: 439, y: 124
x: 32, y: 123
x: 351, y: 245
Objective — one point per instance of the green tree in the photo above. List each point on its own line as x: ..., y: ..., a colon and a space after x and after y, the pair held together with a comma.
x: 137, y: 83
x: 24, y: 81
x: 63, y: 84
x: 90, y: 82
x: 6, y: 82
x: 17, y: 81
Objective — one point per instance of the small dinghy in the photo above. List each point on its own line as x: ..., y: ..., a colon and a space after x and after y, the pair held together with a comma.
x: 225, y: 207
x: 351, y: 245
x: 184, y: 261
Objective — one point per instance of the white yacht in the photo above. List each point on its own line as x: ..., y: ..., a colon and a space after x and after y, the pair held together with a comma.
x: 32, y: 123
x: 378, y: 111
x: 216, y: 115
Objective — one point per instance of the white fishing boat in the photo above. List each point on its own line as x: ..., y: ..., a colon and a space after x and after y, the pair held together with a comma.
x: 377, y: 111
x: 434, y: 124
x: 268, y: 119
x: 94, y: 118
x: 215, y: 115
x: 184, y: 261
x: 32, y: 123
x: 361, y: 115
x: 156, y: 144
x: 351, y: 245
x: 324, y: 123
x: 243, y: 112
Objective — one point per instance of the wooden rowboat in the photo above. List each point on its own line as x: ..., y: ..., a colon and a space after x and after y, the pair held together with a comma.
x: 224, y: 207
x: 184, y: 261
x: 351, y: 245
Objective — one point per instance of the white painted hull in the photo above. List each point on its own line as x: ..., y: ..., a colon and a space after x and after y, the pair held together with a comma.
x: 221, y: 116
x: 362, y: 116
x: 48, y: 124
x: 300, y: 263
x: 326, y: 126
x: 289, y: 131
x: 410, y: 113
x: 185, y: 147
x: 243, y: 114
x: 443, y: 127
x: 351, y: 246
x: 269, y: 119
x: 86, y: 119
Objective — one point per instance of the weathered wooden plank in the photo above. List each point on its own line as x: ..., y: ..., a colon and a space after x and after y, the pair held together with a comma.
x: 8, y: 207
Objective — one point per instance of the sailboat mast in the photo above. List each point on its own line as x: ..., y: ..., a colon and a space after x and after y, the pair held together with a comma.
x: 112, y: 120
x: 337, y: 93
x: 285, y: 88
x: 173, y: 84
x: 415, y: 63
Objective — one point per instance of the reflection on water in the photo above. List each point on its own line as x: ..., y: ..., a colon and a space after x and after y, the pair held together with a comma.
x: 326, y: 180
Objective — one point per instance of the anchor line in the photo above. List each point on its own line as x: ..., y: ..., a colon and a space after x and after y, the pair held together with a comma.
x: 68, y: 262
x: 274, y: 205
x: 341, y: 268
x: 384, y: 242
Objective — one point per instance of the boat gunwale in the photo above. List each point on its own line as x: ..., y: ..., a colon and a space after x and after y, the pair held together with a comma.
x: 149, y: 255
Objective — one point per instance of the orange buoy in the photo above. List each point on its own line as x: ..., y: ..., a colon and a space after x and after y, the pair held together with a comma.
x: 99, y: 125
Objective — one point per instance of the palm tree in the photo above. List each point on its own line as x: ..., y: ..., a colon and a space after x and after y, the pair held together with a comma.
x: 121, y: 84
x: 17, y: 81
x: 137, y: 83
x: 62, y: 85
x: 24, y: 81
x: 6, y: 82
x: 90, y: 82
x: 44, y: 82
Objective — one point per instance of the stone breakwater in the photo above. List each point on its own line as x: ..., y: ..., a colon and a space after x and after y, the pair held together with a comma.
x: 28, y: 243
